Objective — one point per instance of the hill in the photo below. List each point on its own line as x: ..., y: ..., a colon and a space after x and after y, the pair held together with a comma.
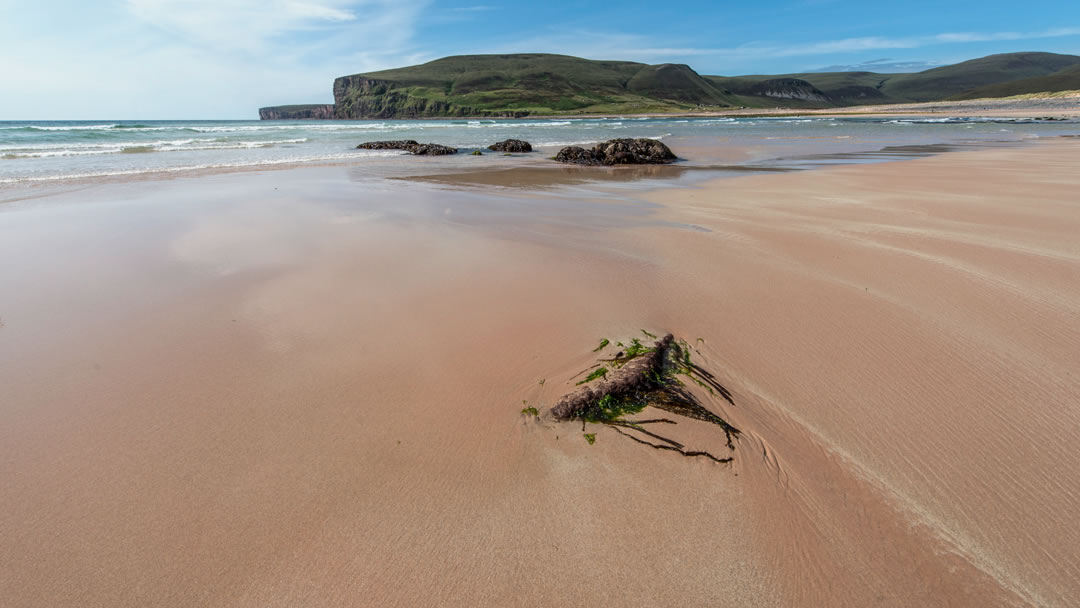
x: 862, y: 88
x: 1062, y: 80
x: 536, y: 84
x: 525, y: 84
x: 953, y: 80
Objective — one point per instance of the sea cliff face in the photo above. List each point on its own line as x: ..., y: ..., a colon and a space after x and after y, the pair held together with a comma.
x: 358, y: 97
x: 298, y: 112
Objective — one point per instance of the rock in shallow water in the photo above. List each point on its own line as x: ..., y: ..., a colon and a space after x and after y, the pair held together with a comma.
x: 511, y: 145
x: 397, y: 144
x: 432, y: 150
x: 409, y: 145
x: 619, y: 152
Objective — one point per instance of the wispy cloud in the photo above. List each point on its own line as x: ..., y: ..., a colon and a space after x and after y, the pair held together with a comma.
x: 251, y: 24
x: 614, y: 45
x: 909, y: 42
x: 196, y: 58
x: 880, y: 65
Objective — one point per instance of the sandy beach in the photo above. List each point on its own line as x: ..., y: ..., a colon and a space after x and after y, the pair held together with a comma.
x: 1060, y: 105
x: 304, y: 387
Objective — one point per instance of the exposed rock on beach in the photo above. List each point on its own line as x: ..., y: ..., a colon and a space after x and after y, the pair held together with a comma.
x: 409, y: 145
x: 511, y: 145
x: 619, y: 152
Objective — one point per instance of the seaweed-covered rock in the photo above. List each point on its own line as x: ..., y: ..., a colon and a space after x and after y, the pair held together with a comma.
x: 619, y: 152
x: 432, y: 150
x: 397, y: 144
x: 409, y: 145
x: 511, y: 145
x: 576, y: 155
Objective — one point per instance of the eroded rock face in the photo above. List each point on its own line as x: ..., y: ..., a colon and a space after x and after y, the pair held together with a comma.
x: 511, y: 145
x: 619, y: 152
x: 358, y: 96
x: 409, y: 145
x: 299, y: 112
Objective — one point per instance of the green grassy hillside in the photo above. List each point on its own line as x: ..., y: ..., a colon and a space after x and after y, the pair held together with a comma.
x: 524, y: 84
x: 538, y: 84
x: 769, y: 91
x: 951, y: 80
x: 1062, y: 80
x: 851, y: 88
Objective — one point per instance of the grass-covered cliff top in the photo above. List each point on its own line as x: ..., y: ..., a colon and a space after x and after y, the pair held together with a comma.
x: 543, y: 84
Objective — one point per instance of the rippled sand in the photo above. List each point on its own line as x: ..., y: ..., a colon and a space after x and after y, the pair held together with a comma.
x: 296, y: 388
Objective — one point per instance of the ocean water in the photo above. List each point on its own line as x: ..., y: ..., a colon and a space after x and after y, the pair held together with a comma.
x: 51, y: 151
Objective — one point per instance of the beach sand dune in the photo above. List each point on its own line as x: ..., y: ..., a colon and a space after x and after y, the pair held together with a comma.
x: 292, y: 389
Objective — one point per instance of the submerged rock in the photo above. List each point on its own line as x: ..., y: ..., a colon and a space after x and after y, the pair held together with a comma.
x: 619, y: 152
x: 511, y: 145
x: 409, y: 145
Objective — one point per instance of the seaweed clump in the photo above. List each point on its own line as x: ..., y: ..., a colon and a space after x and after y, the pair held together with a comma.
x: 639, y: 376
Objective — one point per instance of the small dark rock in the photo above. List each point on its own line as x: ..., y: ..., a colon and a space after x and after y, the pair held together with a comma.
x: 511, y: 145
x: 619, y: 152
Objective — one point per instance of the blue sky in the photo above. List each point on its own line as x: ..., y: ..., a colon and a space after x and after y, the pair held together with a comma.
x: 113, y: 59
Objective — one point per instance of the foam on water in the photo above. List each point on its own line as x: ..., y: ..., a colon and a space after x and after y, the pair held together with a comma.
x: 57, y: 150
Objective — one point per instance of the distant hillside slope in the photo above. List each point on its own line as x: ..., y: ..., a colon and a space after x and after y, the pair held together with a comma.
x: 525, y: 84
x: 764, y: 91
x: 951, y: 80
x: 860, y: 88
x: 538, y: 84
x: 1063, y: 80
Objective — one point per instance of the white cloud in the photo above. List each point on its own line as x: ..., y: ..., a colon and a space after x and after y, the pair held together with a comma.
x: 147, y: 59
x: 614, y: 45
x: 319, y: 11
x: 249, y: 24
x: 911, y: 42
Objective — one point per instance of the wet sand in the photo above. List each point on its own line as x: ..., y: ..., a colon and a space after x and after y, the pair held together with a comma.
x: 300, y: 388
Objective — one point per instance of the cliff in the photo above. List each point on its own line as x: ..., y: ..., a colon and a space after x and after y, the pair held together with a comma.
x: 359, y: 96
x: 298, y: 112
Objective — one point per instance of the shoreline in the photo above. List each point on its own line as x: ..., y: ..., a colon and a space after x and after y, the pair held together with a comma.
x: 536, y: 161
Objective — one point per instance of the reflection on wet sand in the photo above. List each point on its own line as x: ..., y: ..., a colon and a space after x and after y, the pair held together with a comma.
x: 555, y: 176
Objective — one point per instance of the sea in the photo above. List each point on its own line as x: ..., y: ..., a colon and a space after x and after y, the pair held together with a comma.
x: 55, y: 151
